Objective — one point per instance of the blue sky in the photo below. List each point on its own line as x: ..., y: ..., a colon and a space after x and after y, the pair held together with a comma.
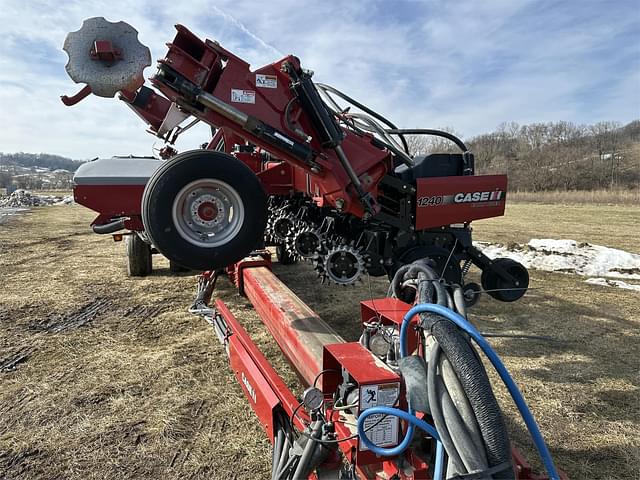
x: 468, y: 65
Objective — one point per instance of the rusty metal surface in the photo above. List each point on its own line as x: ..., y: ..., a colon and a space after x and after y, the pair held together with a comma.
x: 106, y: 78
x: 299, y: 331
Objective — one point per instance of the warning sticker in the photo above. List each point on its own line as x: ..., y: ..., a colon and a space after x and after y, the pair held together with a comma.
x: 380, y: 429
x: 243, y: 96
x: 266, y: 81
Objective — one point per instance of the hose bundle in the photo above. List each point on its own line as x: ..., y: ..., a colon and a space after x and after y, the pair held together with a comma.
x: 465, y: 411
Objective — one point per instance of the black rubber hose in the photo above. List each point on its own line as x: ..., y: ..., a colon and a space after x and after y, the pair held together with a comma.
x: 428, y: 131
x: 110, y: 227
x: 366, y: 109
x: 278, y: 445
x: 465, y: 363
x: 472, y: 453
x: 475, y: 382
x: 284, y: 456
x: 437, y: 414
x: 461, y: 402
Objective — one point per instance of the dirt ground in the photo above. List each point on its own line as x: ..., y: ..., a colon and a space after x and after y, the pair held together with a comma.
x: 104, y: 376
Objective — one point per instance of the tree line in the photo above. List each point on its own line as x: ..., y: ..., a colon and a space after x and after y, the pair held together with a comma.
x: 539, y: 156
x: 554, y: 155
x: 53, y: 162
x: 13, y: 173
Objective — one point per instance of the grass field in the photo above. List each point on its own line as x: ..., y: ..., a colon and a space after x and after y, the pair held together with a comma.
x: 104, y: 376
x: 629, y: 197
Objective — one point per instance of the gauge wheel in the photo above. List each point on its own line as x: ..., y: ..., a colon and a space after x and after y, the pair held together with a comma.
x: 204, y: 210
x: 505, y: 290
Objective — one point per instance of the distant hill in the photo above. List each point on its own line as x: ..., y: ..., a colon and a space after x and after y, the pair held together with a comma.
x: 44, y: 160
x: 558, y: 156
x: 552, y: 156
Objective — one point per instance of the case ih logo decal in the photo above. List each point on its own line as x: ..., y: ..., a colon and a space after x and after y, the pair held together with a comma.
x: 250, y: 390
x: 478, y: 197
x: 462, y: 197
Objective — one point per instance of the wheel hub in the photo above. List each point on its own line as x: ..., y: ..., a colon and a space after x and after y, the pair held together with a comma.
x: 344, y: 265
x: 281, y: 227
x: 306, y: 244
x: 208, y: 212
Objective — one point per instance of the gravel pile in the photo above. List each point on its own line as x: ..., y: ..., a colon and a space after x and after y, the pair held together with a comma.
x: 24, y: 198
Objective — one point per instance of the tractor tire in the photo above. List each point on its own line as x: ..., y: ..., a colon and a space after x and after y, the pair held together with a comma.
x: 204, y: 210
x: 503, y: 290
x: 176, y: 268
x: 139, y: 262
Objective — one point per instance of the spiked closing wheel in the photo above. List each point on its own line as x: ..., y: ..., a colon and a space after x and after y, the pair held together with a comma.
x: 344, y: 265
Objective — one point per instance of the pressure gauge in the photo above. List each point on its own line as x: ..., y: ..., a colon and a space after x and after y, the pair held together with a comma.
x: 379, y: 345
x: 312, y: 398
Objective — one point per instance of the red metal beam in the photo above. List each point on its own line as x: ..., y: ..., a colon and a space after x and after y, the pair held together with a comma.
x: 264, y: 389
x: 299, y: 331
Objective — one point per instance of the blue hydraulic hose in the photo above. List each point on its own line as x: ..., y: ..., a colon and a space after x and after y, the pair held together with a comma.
x: 413, y: 422
x: 497, y: 364
x: 397, y: 450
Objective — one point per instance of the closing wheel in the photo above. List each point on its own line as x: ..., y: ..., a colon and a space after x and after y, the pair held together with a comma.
x: 506, y: 290
x: 204, y: 210
x: 139, y: 263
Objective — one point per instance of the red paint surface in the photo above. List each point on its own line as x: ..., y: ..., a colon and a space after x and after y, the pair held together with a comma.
x: 436, y: 215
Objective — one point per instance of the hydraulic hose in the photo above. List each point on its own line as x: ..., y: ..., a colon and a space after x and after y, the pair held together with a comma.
x: 110, y: 227
x: 465, y: 449
x: 475, y: 383
x: 460, y: 425
x: 278, y: 445
x: 327, y: 88
x: 428, y: 131
x: 307, y: 453
x: 497, y: 364
x: 413, y: 422
x: 438, y: 416
x: 458, y: 301
x: 461, y: 402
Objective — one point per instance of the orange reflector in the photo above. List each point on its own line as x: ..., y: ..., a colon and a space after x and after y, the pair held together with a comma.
x: 117, y: 237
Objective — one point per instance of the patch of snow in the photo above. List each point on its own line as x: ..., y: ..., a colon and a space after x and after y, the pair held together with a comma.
x: 5, y: 213
x: 607, y: 282
x: 23, y: 198
x: 569, y: 256
x: 66, y: 200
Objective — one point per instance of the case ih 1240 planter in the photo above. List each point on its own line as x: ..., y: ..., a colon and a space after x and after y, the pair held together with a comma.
x: 289, y: 166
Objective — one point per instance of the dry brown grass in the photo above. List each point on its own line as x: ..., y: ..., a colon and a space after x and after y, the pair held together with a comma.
x: 585, y: 197
x: 143, y: 389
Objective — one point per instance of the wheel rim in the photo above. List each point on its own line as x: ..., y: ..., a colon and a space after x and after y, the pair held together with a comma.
x: 306, y: 244
x: 208, y: 213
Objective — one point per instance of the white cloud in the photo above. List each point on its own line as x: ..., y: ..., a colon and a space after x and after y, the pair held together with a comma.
x: 469, y: 65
